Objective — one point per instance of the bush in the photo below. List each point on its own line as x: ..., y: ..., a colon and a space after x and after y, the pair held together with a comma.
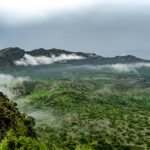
x: 11, y: 142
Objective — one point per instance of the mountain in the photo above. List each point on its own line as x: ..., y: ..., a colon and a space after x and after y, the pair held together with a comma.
x: 15, y: 57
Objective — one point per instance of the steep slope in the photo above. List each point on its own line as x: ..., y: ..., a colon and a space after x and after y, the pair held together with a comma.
x: 16, y: 129
x: 12, y: 119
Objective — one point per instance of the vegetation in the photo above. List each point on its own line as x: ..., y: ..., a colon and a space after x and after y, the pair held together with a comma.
x: 77, y: 108
x: 16, y: 129
x: 108, y: 112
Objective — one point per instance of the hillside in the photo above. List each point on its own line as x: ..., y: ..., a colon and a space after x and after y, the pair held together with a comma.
x: 105, y: 112
x: 16, y: 129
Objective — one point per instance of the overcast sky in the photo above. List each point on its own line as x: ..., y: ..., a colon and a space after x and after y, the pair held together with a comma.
x: 105, y: 27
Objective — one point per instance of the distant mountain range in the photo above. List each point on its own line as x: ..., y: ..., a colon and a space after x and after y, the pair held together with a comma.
x: 15, y: 57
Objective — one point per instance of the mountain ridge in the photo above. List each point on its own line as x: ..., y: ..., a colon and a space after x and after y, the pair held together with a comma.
x: 8, y: 56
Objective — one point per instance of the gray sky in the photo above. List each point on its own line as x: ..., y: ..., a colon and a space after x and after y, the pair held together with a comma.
x: 105, y: 27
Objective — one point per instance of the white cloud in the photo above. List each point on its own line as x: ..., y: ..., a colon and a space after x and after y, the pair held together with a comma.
x: 43, y: 60
x: 129, y: 67
x: 6, y: 81
x: 117, y: 67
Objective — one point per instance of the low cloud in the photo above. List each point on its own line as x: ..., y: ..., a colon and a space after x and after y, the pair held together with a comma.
x: 45, y: 118
x: 7, y: 81
x: 115, y: 67
x: 43, y: 60
x: 129, y: 67
x: 121, y: 67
